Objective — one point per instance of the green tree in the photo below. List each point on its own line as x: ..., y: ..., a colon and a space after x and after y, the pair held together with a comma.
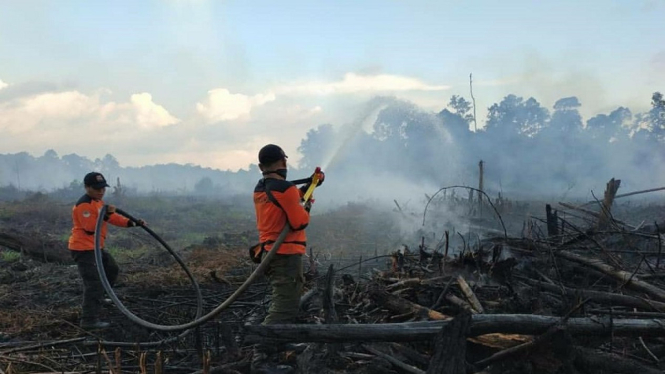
x: 461, y: 107
x: 609, y: 127
x: 657, y: 116
x: 566, y: 119
x: 515, y: 116
x: 316, y: 145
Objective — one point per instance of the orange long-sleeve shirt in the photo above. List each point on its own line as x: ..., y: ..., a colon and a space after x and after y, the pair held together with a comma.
x: 84, y: 218
x: 271, y: 218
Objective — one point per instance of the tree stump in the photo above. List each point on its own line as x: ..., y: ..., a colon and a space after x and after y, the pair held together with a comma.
x: 552, y: 221
x: 450, y: 352
x: 329, y: 312
x: 610, y: 193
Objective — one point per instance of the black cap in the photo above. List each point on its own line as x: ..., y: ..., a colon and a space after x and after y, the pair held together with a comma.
x: 271, y: 153
x: 95, y: 180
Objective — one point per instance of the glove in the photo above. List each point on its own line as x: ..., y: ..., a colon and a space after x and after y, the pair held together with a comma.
x: 308, y: 204
x: 322, y: 177
x: 131, y: 223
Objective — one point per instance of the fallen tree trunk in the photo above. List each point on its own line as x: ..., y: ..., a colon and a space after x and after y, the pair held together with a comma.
x: 470, y: 296
x: 454, y: 300
x: 394, y: 361
x: 400, y: 305
x: 656, y: 228
x: 600, y: 297
x: 414, y: 282
x: 587, y: 211
x: 480, y: 324
x: 583, y: 210
x: 631, y: 280
x: 36, y: 246
x: 627, y: 194
x: 602, y: 362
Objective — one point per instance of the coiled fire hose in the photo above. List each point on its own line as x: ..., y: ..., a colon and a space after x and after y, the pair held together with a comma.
x: 198, y: 320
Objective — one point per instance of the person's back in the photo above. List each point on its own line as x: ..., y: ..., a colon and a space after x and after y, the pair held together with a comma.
x: 277, y: 203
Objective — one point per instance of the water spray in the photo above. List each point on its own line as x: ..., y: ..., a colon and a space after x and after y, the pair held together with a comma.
x: 352, y: 130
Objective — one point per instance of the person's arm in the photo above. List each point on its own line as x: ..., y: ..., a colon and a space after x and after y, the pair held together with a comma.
x: 116, y: 219
x: 296, y: 215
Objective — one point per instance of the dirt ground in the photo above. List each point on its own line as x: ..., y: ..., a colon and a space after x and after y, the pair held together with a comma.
x: 40, y: 300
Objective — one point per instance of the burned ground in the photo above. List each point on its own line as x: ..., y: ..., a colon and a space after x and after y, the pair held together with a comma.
x: 603, y: 285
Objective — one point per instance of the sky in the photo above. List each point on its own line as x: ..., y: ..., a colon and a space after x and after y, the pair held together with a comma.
x: 209, y: 82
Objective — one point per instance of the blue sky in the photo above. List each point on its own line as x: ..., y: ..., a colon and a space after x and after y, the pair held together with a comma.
x: 209, y: 82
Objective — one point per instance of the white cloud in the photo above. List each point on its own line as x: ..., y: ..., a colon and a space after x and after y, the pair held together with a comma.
x: 140, y: 131
x: 222, y: 105
x: 3, y: 84
x: 149, y: 114
x: 353, y: 83
x: 43, y: 111
x: 55, y: 116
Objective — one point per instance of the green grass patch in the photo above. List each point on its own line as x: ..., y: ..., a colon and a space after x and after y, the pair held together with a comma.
x: 6, y: 214
x: 10, y: 256
x: 123, y: 254
x: 188, y: 238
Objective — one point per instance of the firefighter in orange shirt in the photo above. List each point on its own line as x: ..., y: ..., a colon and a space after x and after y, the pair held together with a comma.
x: 277, y: 202
x: 82, y: 247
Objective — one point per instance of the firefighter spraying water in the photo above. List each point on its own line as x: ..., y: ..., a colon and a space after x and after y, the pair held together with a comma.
x: 282, y: 214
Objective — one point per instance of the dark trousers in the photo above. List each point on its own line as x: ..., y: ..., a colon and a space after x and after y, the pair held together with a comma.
x: 285, y: 273
x: 93, y: 291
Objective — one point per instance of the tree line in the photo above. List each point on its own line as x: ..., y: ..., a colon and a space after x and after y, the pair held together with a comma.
x: 525, y: 146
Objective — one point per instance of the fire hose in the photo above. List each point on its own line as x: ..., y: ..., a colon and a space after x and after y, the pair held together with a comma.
x: 198, y: 319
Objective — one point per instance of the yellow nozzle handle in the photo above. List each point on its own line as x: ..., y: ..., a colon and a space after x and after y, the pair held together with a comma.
x: 315, y: 182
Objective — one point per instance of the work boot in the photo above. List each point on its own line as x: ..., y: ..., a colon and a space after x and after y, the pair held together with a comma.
x: 259, y: 361
x: 95, y: 325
